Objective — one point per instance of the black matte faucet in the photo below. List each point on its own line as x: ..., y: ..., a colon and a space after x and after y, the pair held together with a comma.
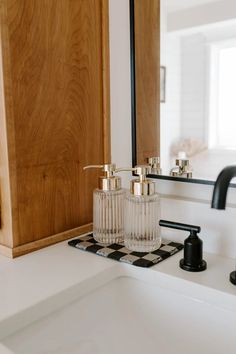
x: 220, y: 194
x: 221, y: 187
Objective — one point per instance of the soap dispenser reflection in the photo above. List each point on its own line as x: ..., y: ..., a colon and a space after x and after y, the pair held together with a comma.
x: 108, y: 206
x: 142, y: 213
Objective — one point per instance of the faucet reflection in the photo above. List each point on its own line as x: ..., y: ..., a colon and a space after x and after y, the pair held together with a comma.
x: 220, y: 194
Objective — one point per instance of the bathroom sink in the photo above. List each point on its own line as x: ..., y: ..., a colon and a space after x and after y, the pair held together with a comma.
x: 134, y: 312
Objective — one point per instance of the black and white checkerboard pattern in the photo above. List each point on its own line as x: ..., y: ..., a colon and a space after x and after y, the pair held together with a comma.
x: 120, y: 253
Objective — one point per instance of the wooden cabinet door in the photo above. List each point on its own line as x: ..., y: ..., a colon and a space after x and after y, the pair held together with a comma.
x: 54, y: 118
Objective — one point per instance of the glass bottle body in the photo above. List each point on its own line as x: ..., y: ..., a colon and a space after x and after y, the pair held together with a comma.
x: 141, y: 223
x: 108, y: 216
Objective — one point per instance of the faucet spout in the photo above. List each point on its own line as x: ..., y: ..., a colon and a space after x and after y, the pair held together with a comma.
x: 219, y: 197
x: 221, y: 187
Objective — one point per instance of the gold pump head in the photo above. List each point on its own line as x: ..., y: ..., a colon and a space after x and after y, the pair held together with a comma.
x: 141, y: 186
x: 108, y: 182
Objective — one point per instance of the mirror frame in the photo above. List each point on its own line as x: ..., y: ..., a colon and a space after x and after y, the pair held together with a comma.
x: 133, y: 110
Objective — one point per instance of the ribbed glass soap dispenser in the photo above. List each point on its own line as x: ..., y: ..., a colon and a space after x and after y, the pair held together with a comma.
x: 142, y: 213
x: 108, y: 206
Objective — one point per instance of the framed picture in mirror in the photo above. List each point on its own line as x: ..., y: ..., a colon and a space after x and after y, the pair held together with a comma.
x: 163, y: 84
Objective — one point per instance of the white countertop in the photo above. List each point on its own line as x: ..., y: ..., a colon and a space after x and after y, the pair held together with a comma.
x: 33, y: 278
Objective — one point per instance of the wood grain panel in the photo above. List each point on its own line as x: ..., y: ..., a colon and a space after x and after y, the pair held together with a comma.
x: 47, y: 241
x: 44, y: 242
x: 147, y: 78
x: 7, y: 139
x: 56, y: 84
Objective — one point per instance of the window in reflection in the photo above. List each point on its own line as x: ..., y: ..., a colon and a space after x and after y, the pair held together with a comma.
x: 198, y: 49
x: 227, y: 101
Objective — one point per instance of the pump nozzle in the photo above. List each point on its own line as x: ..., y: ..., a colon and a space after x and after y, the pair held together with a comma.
x: 109, y: 181
x: 109, y: 169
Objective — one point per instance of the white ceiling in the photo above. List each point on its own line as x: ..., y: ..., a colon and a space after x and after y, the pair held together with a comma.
x: 178, y: 5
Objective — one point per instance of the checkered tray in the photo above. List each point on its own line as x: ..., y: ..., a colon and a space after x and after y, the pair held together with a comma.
x: 120, y: 253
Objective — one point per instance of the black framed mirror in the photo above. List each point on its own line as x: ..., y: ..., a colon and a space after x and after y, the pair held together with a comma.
x: 214, y: 41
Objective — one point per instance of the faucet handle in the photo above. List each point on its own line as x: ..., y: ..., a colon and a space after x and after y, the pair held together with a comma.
x: 192, y: 261
x: 180, y: 226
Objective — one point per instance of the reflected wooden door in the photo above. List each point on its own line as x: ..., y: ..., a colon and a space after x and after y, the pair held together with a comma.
x: 146, y: 45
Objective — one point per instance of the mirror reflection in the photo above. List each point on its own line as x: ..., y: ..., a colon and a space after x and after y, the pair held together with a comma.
x: 198, y: 87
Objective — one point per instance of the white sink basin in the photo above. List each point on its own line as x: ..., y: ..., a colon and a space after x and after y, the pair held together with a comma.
x: 133, y: 311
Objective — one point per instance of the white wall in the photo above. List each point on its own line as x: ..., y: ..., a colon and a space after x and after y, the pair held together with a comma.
x: 204, y: 14
x: 182, y: 202
x: 120, y: 85
x: 194, y: 87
